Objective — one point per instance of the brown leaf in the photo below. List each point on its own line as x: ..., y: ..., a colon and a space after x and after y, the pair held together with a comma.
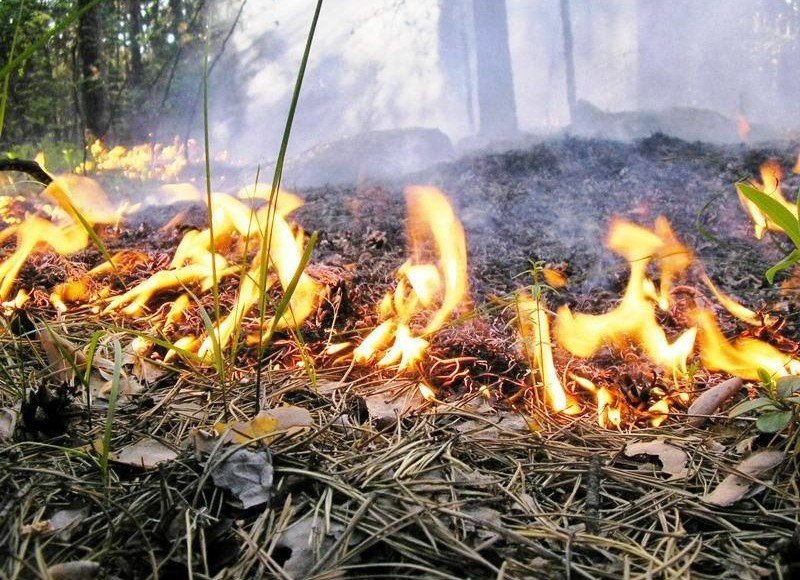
x: 289, y: 420
x: 145, y: 453
x: 710, y: 400
x: 734, y: 486
x: 385, y: 408
x: 673, y: 460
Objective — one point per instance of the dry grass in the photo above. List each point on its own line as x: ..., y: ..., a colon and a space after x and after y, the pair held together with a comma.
x: 454, y: 489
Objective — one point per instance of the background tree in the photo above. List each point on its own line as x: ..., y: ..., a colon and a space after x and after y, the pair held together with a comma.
x: 496, y: 103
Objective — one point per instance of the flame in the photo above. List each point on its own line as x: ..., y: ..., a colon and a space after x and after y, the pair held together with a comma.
x: 771, y: 175
x: 79, y: 203
x: 736, y: 309
x: 146, y: 161
x: 199, y: 258
x: 434, y: 278
x: 609, y: 405
x: 742, y: 357
x: 743, y: 128
x: 535, y: 330
x: 634, y: 319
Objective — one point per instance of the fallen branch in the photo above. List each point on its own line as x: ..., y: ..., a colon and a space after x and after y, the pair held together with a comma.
x: 27, y: 166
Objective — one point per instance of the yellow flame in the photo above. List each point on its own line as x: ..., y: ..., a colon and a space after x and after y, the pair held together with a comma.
x: 742, y: 357
x: 535, y: 330
x: 771, y: 174
x: 735, y: 308
x: 80, y: 203
x: 634, y: 319
x: 434, y: 278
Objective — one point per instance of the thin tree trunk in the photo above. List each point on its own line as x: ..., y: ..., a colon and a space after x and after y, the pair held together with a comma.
x: 569, y: 57
x: 93, y: 87
x: 496, y: 104
x: 135, y: 30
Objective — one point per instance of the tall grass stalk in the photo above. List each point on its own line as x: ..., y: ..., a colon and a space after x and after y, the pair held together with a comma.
x: 273, y: 201
x: 113, y: 396
x: 213, y: 329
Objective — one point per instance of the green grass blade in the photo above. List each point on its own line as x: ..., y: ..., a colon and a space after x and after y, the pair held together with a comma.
x: 112, y: 409
x: 773, y: 210
x: 276, y: 182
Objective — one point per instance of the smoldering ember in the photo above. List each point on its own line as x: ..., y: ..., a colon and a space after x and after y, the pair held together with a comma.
x: 438, y: 289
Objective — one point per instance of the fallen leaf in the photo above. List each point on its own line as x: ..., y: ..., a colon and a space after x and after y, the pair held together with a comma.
x: 673, y: 460
x: 62, y: 519
x: 247, y: 474
x: 735, y: 486
x: 305, y: 540
x: 289, y: 420
x: 710, y: 400
x: 385, y: 408
x: 146, y: 453
x: 8, y: 422
x: 76, y: 570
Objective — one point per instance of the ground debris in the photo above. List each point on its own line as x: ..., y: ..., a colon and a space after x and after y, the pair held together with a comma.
x: 736, y: 485
x: 247, y: 475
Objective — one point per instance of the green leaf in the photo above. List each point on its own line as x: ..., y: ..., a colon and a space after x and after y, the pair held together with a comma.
x: 795, y: 400
x: 774, y: 209
x: 751, y: 405
x: 773, y: 422
x: 787, y: 386
x: 765, y: 378
x: 787, y: 262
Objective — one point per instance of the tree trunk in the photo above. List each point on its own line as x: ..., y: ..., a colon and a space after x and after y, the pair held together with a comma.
x: 93, y: 88
x: 135, y: 30
x: 496, y: 105
x: 454, y: 57
x: 569, y: 57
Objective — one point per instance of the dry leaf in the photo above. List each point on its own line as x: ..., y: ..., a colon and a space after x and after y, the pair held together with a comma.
x: 8, y: 422
x: 384, y: 408
x: 709, y: 401
x: 146, y: 453
x: 77, y: 570
x: 734, y: 487
x: 247, y: 474
x: 305, y: 540
x: 673, y: 460
x: 289, y: 420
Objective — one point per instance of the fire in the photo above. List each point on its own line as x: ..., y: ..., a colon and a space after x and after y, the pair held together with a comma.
x: 771, y: 175
x: 78, y: 203
x: 535, y: 329
x: 743, y: 357
x: 431, y: 285
x: 146, y: 161
x: 634, y: 319
x: 199, y: 261
x: 743, y: 128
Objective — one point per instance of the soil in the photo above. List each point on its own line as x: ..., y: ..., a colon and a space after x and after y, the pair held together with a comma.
x: 550, y: 202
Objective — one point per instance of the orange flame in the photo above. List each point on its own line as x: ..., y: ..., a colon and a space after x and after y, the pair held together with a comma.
x: 634, y: 319
x: 198, y: 259
x: 79, y: 203
x: 771, y: 175
x: 743, y: 357
x: 435, y: 277
x: 535, y: 330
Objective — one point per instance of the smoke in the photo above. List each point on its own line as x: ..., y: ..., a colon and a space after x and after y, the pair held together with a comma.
x: 388, y: 64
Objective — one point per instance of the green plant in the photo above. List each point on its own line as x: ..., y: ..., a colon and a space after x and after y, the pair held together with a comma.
x: 783, y: 218
x: 777, y: 405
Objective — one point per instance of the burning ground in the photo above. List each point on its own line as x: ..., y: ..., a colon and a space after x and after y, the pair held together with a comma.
x: 483, y: 474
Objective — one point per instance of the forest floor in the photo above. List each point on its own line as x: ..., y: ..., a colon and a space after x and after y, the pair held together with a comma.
x: 465, y: 486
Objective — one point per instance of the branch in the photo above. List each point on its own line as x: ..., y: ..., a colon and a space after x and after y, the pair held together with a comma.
x: 32, y: 168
